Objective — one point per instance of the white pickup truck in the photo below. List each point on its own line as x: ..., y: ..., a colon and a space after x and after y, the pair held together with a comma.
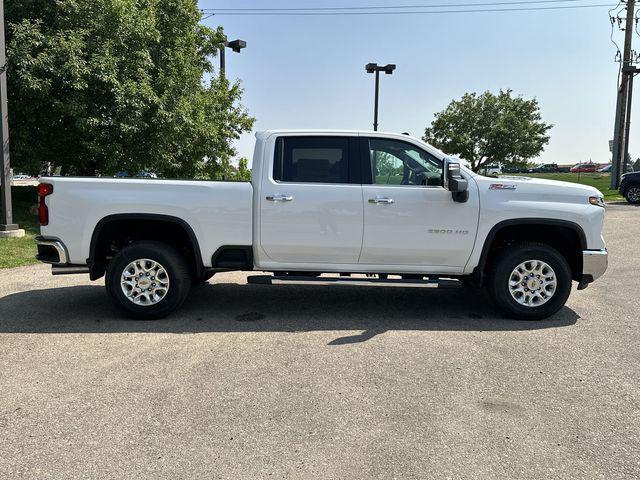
x: 329, y: 208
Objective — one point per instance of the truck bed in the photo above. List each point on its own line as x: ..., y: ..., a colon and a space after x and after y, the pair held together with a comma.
x: 219, y: 213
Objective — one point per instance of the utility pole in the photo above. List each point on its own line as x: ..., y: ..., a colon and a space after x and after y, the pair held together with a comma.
x: 7, y: 227
x: 623, y: 105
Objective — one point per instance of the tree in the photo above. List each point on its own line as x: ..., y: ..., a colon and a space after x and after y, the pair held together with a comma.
x: 490, y: 129
x: 231, y: 173
x: 102, y: 86
x: 243, y: 172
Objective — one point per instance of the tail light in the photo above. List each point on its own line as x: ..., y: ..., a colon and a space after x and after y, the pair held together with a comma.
x: 44, y: 189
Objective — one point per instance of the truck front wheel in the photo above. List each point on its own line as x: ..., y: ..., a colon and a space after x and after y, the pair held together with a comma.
x: 148, y: 280
x: 530, y: 281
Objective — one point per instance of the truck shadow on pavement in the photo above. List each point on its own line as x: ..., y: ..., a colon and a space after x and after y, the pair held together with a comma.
x: 232, y: 307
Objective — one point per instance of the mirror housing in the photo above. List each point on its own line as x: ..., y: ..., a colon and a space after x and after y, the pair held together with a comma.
x: 455, y: 182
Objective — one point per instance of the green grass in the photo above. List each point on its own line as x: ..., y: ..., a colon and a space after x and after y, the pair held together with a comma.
x: 597, y: 180
x: 15, y: 252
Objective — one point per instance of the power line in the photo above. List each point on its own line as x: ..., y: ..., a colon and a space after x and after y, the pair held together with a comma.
x: 271, y: 14
x: 612, y: 19
x: 618, y: 52
x: 385, y: 7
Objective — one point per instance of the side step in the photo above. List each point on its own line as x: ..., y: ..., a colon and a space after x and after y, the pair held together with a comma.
x: 361, y: 282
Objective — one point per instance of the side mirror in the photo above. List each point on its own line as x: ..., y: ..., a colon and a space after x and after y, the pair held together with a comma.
x: 455, y: 182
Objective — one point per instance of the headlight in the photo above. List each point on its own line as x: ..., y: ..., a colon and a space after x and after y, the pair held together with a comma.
x: 598, y: 201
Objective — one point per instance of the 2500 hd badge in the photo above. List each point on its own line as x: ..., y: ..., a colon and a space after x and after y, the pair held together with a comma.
x: 448, y: 231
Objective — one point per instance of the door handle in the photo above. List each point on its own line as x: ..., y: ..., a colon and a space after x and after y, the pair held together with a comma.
x: 279, y: 198
x: 382, y: 200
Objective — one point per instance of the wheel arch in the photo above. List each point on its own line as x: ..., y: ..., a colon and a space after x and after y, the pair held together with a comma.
x: 178, y: 231
x: 566, y: 236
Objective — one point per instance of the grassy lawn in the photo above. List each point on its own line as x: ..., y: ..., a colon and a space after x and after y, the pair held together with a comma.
x: 15, y: 252
x: 598, y: 180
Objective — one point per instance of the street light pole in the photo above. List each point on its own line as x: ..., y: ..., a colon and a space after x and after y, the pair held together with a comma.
x: 7, y: 227
x: 235, y: 45
x: 375, y: 68
x: 222, y: 59
x: 375, y: 107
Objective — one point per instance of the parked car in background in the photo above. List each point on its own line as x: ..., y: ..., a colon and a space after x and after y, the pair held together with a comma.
x: 630, y: 187
x: 545, y: 168
x: 515, y: 170
x: 491, y: 170
x: 140, y: 174
x: 605, y: 169
x: 584, y: 168
x: 22, y: 176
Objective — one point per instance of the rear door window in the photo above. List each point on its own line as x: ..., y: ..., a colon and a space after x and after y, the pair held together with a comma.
x: 312, y: 160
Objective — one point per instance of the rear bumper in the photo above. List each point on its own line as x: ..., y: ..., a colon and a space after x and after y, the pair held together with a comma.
x: 594, y: 264
x: 54, y: 252
x: 51, y: 250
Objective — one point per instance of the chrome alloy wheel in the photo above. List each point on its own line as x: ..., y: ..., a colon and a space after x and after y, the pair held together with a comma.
x: 634, y: 194
x: 144, y: 282
x: 532, y: 283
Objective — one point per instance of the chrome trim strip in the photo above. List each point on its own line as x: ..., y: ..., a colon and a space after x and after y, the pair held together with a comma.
x: 63, y: 256
x: 594, y: 263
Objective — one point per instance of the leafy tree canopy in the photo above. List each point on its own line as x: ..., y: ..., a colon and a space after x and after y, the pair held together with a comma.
x: 490, y: 129
x: 100, y: 86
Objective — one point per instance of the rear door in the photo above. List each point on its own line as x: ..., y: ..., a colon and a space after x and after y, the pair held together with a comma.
x: 311, y: 202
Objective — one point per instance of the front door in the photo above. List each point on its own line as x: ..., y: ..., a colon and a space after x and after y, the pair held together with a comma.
x: 311, y: 205
x: 409, y: 218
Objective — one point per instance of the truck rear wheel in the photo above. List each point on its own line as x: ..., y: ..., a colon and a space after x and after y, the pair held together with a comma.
x: 148, y: 280
x: 530, y: 281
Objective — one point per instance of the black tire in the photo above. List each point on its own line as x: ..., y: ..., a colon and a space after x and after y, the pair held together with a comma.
x: 500, y: 275
x: 632, y: 194
x: 203, y: 279
x: 175, y: 266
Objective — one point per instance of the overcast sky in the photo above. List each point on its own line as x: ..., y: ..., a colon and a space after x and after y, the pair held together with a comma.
x: 308, y: 72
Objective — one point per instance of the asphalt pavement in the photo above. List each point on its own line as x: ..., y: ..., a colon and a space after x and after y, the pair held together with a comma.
x: 301, y: 382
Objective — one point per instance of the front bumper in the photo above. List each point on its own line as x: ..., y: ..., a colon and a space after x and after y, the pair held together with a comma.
x: 594, y: 264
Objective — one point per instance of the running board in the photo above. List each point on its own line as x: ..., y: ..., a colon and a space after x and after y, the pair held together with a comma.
x: 360, y: 282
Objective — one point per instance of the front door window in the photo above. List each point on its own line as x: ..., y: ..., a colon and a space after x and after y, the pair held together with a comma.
x: 394, y: 162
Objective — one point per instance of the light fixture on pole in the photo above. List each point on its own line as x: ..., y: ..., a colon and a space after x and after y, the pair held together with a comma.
x: 236, y: 46
x: 375, y: 68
